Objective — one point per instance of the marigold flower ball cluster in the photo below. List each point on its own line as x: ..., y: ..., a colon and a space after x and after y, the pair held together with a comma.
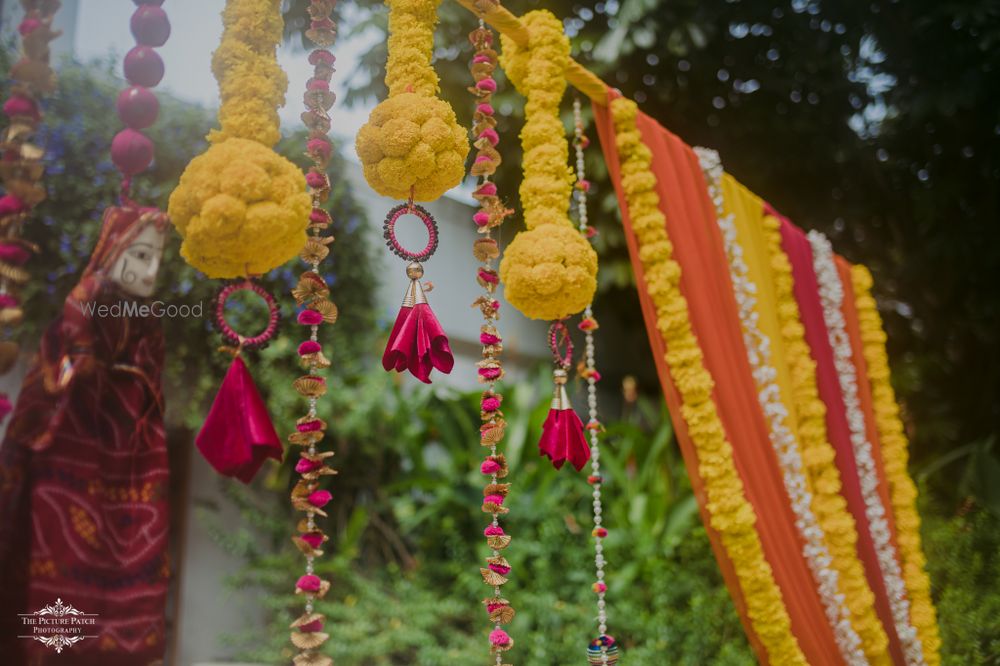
x: 550, y: 270
x: 412, y: 143
x: 240, y: 207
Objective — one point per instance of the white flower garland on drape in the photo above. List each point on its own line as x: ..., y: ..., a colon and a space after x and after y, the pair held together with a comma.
x: 786, y: 446
x: 831, y: 292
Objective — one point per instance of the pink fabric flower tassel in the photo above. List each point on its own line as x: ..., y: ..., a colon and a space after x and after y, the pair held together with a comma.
x: 417, y: 342
x: 238, y: 435
x: 562, y: 433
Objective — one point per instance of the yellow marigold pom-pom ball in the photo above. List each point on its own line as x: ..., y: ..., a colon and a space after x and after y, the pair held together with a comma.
x: 413, y: 141
x: 241, y: 209
x: 549, y: 272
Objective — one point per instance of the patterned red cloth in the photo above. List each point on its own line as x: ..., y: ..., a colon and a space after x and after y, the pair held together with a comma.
x: 83, y: 476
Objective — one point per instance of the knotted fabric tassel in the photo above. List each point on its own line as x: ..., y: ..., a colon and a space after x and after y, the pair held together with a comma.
x: 562, y: 433
x: 238, y: 434
x: 417, y: 342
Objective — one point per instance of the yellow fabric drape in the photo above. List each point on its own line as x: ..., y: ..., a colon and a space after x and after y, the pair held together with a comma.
x: 778, y: 319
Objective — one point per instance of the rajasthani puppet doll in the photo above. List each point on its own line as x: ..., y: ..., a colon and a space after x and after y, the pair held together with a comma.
x: 83, y: 468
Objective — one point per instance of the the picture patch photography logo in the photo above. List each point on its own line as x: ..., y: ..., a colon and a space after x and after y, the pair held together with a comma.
x: 58, y: 625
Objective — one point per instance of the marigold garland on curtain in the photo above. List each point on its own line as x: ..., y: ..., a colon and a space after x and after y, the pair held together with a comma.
x: 894, y: 446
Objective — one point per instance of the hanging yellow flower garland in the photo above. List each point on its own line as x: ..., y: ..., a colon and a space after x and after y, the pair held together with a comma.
x: 412, y: 146
x: 241, y: 208
x: 550, y: 270
x: 730, y: 514
x: 902, y: 491
x: 818, y: 454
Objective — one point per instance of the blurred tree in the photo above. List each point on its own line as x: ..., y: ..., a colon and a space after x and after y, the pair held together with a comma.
x: 877, y: 123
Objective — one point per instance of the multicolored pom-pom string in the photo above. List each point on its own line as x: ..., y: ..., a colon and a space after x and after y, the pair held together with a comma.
x: 490, y: 215
x: 312, y: 294
x: 31, y: 79
x: 602, y: 650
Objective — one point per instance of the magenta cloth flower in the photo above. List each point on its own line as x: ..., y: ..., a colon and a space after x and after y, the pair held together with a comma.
x: 304, y: 465
x: 309, y: 347
x: 489, y: 466
x: 309, y: 583
x: 500, y: 638
x: 310, y: 318
x: 320, y: 498
x: 314, y: 539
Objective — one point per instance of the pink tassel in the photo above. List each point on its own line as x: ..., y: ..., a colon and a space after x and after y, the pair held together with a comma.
x: 238, y: 435
x: 562, y: 433
x: 417, y: 342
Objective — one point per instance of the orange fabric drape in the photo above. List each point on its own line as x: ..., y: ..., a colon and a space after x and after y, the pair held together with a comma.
x: 698, y: 248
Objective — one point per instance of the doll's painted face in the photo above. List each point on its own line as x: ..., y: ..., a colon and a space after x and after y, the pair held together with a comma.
x: 135, y: 270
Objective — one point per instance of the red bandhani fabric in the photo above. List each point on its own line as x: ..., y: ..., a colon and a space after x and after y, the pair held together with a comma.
x: 83, y: 476
x: 806, y: 288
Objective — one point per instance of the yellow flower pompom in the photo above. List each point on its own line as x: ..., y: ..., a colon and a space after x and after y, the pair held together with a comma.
x: 550, y: 270
x: 241, y: 209
x: 413, y: 141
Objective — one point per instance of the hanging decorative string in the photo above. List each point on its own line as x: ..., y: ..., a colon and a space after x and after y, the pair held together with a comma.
x: 485, y: 249
x: 603, y: 649
x: 312, y: 293
x: 21, y: 167
x: 131, y: 150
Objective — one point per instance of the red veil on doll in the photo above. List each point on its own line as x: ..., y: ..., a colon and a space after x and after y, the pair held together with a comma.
x: 83, y: 474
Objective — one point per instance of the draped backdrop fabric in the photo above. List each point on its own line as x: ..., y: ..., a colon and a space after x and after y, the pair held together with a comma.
x: 828, y: 457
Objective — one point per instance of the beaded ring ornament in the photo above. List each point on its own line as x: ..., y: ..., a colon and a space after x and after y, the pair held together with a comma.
x: 258, y: 341
x: 389, y: 232
x: 562, y: 433
x: 490, y: 215
x: 312, y: 293
x: 21, y: 167
x: 603, y: 649
x: 417, y: 342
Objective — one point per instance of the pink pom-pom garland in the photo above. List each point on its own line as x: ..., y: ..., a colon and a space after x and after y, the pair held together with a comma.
x: 311, y: 294
x: 490, y: 215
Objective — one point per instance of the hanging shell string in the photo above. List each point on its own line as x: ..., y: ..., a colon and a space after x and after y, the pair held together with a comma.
x: 603, y: 649
x: 490, y: 215
x: 312, y: 294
